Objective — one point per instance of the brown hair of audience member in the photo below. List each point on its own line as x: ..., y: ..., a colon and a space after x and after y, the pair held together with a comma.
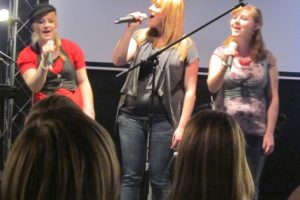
x: 211, y: 162
x: 61, y: 153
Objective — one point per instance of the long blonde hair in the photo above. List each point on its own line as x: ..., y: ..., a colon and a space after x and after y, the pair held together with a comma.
x: 173, y: 27
x: 257, y: 46
x: 211, y: 162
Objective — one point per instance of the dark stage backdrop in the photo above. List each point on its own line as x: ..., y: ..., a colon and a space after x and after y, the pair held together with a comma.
x: 282, y: 170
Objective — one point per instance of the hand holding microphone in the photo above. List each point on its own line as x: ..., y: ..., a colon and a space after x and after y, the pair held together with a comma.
x: 132, y: 17
x: 230, y: 51
x: 48, y: 50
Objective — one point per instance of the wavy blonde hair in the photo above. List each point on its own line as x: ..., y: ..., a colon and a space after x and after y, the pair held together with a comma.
x: 257, y: 46
x: 173, y: 27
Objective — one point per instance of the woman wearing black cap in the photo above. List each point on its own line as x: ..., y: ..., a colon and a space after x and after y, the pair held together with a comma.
x: 51, y: 65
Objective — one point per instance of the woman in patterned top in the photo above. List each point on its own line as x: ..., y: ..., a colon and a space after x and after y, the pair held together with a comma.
x: 247, y: 90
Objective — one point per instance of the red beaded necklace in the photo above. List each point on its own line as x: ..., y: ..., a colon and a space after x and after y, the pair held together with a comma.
x: 245, y: 61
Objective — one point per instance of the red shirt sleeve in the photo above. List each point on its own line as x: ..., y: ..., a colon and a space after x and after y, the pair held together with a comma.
x: 27, y: 59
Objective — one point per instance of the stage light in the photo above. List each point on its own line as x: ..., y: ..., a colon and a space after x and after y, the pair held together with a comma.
x: 4, y: 15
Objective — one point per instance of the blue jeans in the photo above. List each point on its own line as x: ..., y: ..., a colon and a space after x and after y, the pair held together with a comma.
x: 133, y: 135
x: 255, y: 158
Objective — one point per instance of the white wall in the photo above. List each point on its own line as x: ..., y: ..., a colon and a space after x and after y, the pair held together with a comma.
x: 90, y: 24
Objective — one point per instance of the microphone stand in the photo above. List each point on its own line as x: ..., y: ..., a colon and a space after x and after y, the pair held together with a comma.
x: 152, y: 60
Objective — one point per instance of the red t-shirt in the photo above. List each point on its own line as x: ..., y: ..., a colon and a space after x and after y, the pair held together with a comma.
x: 28, y: 58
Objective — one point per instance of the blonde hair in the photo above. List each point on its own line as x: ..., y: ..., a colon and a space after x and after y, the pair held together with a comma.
x: 173, y: 27
x: 257, y: 46
x: 211, y: 162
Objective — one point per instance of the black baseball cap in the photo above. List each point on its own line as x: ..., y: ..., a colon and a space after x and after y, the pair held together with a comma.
x: 39, y: 11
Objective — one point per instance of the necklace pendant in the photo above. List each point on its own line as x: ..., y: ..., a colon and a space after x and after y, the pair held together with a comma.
x: 245, y: 61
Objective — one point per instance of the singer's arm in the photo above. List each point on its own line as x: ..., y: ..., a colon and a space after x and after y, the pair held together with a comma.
x: 86, y: 92
x: 216, y: 72
x: 125, y: 48
x: 35, y: 78
x: 272, y: 112
x: 190, y: 85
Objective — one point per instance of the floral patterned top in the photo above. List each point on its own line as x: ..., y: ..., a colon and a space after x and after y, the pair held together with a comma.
x: 243, y: 94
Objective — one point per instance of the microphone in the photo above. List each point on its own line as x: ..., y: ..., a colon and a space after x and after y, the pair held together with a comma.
x: 129, y: 18
x: 232, y: 45
x: 49, y: 59
x: 50, y: 53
